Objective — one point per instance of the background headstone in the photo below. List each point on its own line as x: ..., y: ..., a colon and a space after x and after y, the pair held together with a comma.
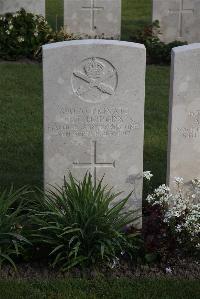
x: 94, y: 112
x: 179, y: 19
x: 184, y: 118
x: 93, y: 17
x: 33, y: 6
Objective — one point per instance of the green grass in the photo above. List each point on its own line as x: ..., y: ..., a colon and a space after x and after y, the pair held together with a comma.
x: 156, y: 122
x: 21, y: 123
x: 54, y: 13
x: 109, y: 289
x: 135, y: 14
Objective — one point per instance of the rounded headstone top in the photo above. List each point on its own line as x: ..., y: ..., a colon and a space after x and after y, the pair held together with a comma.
x: 92, y: 42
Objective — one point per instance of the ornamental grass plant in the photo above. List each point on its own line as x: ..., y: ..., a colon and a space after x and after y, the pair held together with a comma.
x: 12, y: 207
x: 82, y: 224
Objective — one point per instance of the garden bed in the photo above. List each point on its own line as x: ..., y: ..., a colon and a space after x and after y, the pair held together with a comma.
x: 181, y: 269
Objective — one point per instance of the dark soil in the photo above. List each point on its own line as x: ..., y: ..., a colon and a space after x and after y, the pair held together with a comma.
x: 187, y: 269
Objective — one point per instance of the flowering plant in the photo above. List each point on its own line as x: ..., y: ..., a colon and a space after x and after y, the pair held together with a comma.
x: 181, y: 211
x: 22, y: 34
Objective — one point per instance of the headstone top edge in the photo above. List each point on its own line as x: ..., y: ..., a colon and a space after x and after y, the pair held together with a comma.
x: 92, y: 42
x: 186, y: 48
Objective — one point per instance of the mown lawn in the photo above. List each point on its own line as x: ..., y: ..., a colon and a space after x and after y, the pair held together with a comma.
x: 135, y: 14
x: 21, y: 123
x: 54, y: 13
x: 109, y: 289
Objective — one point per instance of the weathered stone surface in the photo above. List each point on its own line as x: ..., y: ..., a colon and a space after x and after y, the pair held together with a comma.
x: 34, y: 6
x: 184, y: 117
x: 94, y: 112
x: 179, y: 19
x: 93, y: 17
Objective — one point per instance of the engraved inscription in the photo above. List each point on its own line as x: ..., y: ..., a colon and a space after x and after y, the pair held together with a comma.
x: 93, y: 122
x: 94, y: 80
x: 93, y: 164
x: 181, y: 11
x: 92, y: 8
x: 192, y: 131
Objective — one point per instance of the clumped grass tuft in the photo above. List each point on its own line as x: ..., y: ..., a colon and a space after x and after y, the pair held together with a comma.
x: 12, y: 205
x: 82, y: 223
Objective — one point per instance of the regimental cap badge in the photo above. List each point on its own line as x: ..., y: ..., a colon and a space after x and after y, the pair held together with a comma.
x: 94, y: 69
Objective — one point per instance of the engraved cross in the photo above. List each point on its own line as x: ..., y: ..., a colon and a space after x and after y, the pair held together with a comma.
x: 181, y: 11
x: 93, y: 164
x: 92, y: 8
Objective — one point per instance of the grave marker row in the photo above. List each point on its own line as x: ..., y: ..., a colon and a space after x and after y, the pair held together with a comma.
x: 94, y: 113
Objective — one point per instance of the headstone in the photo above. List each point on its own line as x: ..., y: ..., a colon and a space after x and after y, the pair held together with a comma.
x: 33, y: 6
x: 94, y: 113
x: 179, y: 19
x: 93, y: 17
x: 184, y: 117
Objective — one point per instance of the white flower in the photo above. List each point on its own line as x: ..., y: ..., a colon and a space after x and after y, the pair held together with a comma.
x: 179, y: 228
x: 8, y: 32
x: 11, y: 27
x: 150, y: 198
x: 178, y: 180
x: 115, y: 262
x: 36, y: 33
x: 147, y: 175
x: 168, y: 270
x: 20, y: 39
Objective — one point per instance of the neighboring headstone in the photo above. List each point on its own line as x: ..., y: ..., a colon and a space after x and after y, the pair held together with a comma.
x: 93, y: 17
x: 179, y: 19
x: 94, y: 112
x: 184, y: 117
x: 33, y: 6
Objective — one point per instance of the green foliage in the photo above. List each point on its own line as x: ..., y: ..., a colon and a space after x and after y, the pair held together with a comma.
x: 22, y: 34
x: 11, y: 221
x: 135, y: 14
x: 82, y: 224
x: 157, y: 51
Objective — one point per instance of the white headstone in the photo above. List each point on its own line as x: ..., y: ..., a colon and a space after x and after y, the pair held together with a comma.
x: 33, y: 6
x: 94, y: 113
x: 179, y: 19
x: 184, y: 118
x: 93, y: 17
